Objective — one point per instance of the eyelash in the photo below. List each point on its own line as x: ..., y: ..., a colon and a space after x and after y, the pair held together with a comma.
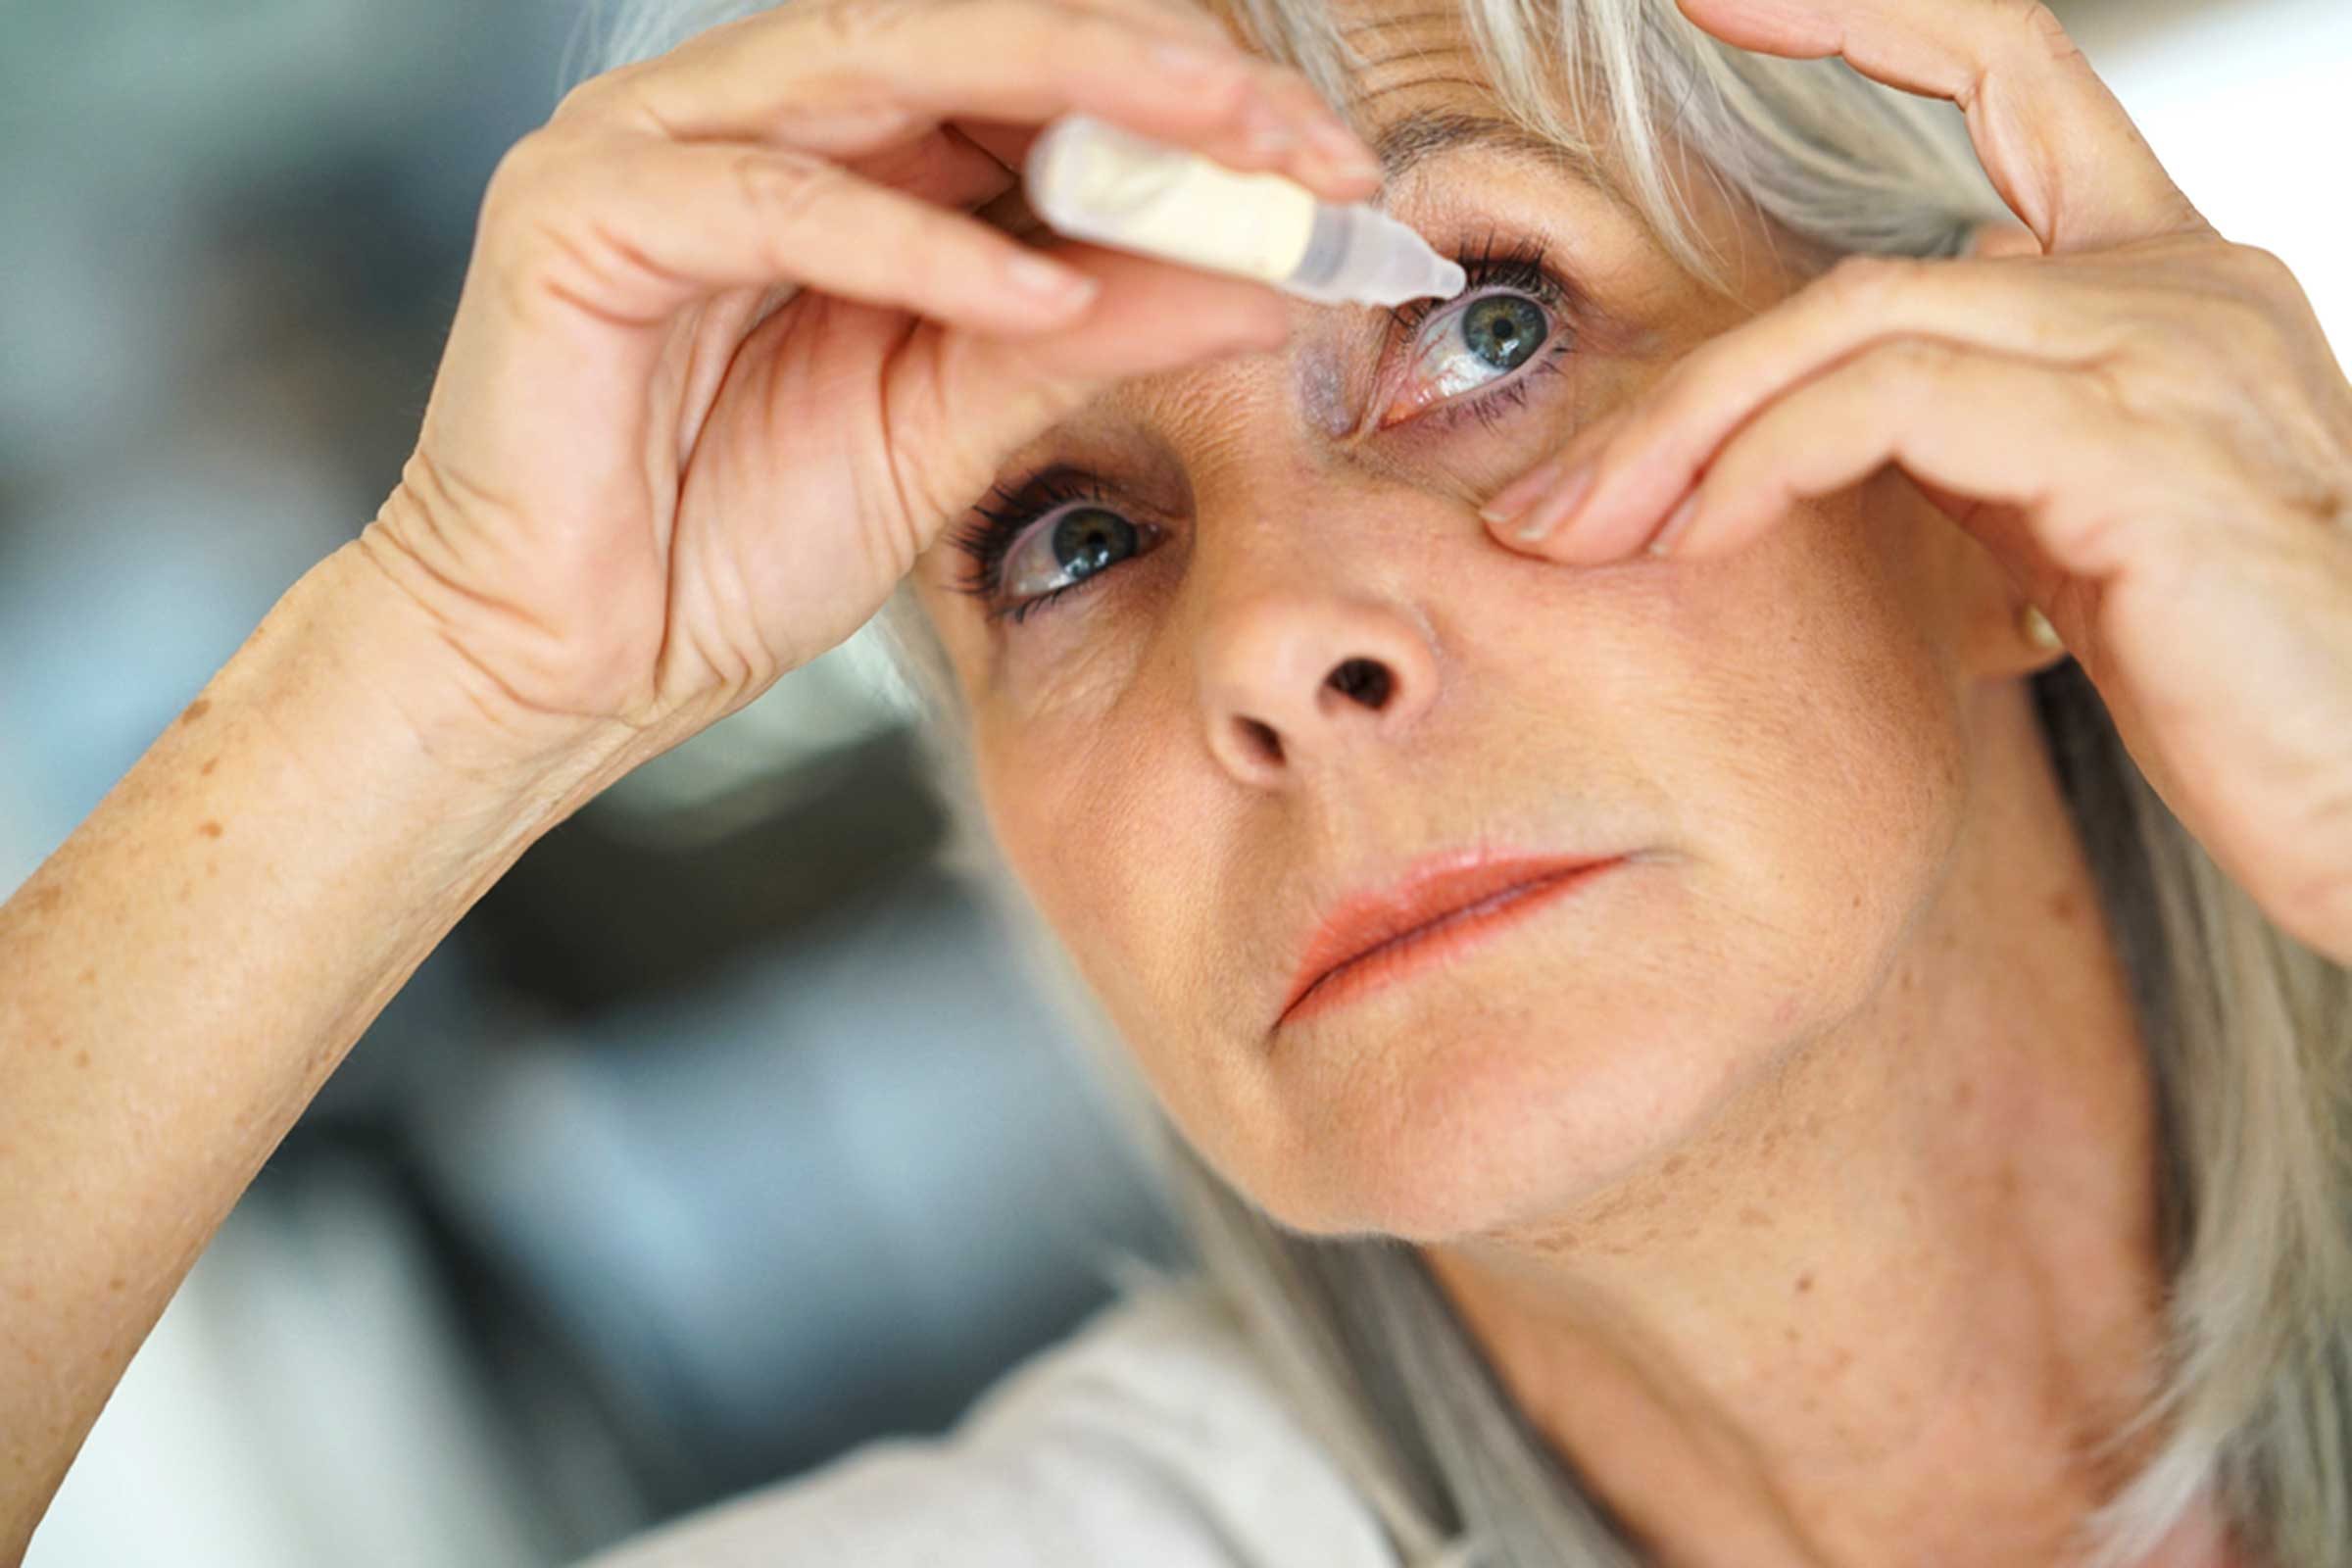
x: 990, y: 537
x: 1518, y: 266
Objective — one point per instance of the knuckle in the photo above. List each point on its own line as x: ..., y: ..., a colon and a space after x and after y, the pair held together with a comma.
x: 2041, y: 22
x: 2261, y: 272
x: 595, y: 97
x: 855, y: 23
x: 1865, y: 282
x: 539, y: 227
x: 787, y: 189
x: 1911, y: 367
x: 2130, y: 402
x: 2038, y: 27
x: 524, y: 174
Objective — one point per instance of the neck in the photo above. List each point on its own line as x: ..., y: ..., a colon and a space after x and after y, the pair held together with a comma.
x: 1899, y: 1300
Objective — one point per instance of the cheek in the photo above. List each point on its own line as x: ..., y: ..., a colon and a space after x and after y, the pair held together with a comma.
x: 1107, y: 826
x: 1838, y: 727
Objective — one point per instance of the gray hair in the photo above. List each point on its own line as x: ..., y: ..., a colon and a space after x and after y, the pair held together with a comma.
x: 2249, y: 1032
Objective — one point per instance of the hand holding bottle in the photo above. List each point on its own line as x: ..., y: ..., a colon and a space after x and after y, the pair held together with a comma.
x: 647, y: 484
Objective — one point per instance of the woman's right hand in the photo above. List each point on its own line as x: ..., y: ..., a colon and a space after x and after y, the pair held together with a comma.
x: 644, y: 488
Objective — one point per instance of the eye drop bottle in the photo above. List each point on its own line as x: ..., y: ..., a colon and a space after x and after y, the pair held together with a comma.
x: 1094, y: 182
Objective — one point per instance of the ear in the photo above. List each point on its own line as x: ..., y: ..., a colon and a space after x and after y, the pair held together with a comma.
x: 2000, y: 237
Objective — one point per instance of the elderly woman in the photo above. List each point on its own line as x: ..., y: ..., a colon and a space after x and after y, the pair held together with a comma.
x: 1727, y: 867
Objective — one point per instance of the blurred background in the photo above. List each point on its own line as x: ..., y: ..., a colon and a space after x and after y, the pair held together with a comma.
x: 725, y: 1133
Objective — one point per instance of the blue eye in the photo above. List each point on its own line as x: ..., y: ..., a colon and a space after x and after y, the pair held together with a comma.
x: 1063, y: 551
x: 1494, y: 346
x: 1483, y: 342
x: 1504, y: 330
x: 1047, y: 537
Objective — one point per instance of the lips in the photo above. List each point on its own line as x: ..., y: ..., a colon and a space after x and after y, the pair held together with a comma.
x: 1442, y: 891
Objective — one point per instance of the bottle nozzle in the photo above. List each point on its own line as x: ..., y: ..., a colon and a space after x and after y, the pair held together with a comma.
x: 1360, y: 254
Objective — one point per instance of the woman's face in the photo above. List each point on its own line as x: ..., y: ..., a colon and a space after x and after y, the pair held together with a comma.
x: 1291, y: 666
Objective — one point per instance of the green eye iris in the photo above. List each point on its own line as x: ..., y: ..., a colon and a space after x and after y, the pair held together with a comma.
x: 1504, y: 330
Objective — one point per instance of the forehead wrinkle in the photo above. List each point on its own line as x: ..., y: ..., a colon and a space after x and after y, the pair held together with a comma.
x: 1449, y: 20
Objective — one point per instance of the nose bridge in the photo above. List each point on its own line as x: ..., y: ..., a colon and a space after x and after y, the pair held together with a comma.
x: 1306, y: 643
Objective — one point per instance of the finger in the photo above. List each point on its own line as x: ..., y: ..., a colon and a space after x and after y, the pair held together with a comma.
x: 2059, y: 147
x: 830, y: 78
x: 2016, y: 438
x: 632, y: 232
x: 946, y: 167
x: 1645, y: 456
x: 1149, y: 317
x: 956, y: 405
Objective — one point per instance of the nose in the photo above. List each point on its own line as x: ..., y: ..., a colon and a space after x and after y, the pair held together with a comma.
x: 1290, y: 679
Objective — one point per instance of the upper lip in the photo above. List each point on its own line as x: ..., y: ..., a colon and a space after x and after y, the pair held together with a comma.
x: 1429, y: 890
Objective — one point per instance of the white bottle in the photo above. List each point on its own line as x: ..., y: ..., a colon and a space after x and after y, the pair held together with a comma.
x: 1094, y: 182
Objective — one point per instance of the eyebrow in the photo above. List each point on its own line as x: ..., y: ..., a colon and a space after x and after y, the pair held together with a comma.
x: 1411, y: 139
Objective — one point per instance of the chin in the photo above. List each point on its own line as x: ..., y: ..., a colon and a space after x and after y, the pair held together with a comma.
x: 1525, y: 1091
x: 1516, y: 1137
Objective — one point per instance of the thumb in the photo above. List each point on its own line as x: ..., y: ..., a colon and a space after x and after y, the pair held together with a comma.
x: 993, y: 395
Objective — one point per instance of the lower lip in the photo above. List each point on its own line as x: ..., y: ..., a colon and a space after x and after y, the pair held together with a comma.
x: 1441, y: 939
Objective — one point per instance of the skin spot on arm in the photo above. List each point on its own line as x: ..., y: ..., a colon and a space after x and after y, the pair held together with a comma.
x: 208, y: 765
x: 196, y: 710
x: 211, y: 830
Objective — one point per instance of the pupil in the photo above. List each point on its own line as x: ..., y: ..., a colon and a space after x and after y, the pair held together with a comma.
x: 1504, y: 331
x: 1090, y: 539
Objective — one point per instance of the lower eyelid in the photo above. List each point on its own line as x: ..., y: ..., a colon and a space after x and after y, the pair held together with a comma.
x: 1515, y: 387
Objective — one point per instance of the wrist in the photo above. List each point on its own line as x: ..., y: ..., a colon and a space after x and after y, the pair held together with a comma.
x: 410, y: 701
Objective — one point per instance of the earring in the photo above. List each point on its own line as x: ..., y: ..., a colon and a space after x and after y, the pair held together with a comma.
x: 2038, y: 633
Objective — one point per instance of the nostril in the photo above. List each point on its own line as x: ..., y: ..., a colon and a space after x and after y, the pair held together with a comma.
x: 1261, y: 739
x: 1365, y: 681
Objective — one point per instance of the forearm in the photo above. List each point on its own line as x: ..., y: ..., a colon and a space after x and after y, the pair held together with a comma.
x: 182, y: 976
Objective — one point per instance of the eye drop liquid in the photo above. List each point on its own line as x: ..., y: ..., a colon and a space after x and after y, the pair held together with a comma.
x: 1094, y: 182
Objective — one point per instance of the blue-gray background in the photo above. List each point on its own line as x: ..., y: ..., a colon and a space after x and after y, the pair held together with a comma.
x: 725, y: 1133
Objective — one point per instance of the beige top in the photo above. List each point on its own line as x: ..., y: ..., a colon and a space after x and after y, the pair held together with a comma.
x: 1151, y: 1438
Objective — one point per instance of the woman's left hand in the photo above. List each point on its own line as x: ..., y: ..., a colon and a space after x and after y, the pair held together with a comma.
x: 2142, y: 423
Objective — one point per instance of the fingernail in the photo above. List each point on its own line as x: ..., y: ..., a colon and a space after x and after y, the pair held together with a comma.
x: 1678, y: 522
x: 1050, y: 281
x: 1552, y: 513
